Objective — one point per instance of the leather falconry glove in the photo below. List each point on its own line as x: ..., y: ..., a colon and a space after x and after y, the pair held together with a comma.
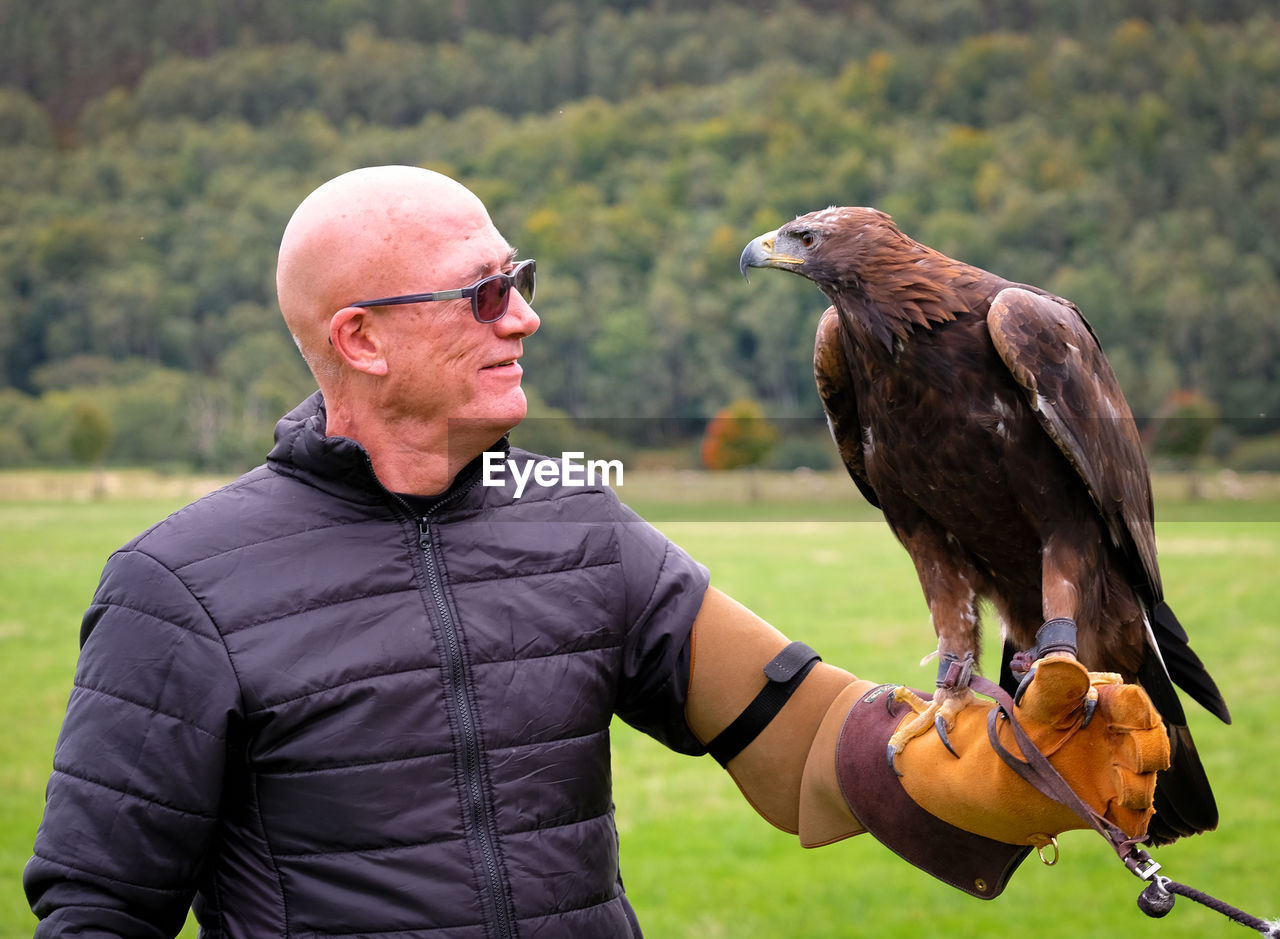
x: 967, y: 817
x: 806, y: 743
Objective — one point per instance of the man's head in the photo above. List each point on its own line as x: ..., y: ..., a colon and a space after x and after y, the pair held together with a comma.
x: 388, y: 231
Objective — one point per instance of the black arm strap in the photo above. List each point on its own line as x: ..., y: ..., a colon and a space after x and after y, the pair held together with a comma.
x: 784, y: 672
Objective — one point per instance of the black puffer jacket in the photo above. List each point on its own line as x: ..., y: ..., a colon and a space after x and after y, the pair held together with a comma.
x: 324, y: 716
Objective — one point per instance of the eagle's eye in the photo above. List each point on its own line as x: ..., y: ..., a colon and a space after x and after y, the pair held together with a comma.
x: 806, y: 238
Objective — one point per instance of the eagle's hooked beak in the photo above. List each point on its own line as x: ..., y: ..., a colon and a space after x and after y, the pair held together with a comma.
x: 760, y: 253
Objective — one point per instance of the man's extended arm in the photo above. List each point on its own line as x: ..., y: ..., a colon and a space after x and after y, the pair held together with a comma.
x: 818, y: 768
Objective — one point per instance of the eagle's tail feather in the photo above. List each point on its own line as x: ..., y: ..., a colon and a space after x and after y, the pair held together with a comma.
x: 1184, y: 666
x: 1184, y: 799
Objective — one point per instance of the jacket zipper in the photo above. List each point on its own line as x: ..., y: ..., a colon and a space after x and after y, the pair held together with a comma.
x: 455, y: 672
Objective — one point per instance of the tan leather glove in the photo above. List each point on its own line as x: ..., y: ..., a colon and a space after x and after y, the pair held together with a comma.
x: 1111, y: 763
x: 969, y: 819
x: 820, y: 768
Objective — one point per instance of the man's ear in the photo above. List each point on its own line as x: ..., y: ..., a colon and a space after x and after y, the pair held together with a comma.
x: 352, y: 339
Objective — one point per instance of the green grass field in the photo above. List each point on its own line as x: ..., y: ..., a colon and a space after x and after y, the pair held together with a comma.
x: 697, y: 861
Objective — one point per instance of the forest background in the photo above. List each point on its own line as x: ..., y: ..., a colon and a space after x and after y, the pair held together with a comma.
x: 1123, y: 155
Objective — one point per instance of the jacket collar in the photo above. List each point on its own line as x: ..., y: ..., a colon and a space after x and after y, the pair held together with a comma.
x: 341, y: 466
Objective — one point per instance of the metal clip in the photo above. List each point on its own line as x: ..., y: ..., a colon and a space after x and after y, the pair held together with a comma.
x: 1144, y: 866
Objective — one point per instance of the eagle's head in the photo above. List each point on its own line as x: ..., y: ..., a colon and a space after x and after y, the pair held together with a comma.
x: 882, y: 281
x: 840, y: 249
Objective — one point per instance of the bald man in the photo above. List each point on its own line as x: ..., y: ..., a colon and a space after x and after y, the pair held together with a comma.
x: 360, y: 691
x: 422, y: 390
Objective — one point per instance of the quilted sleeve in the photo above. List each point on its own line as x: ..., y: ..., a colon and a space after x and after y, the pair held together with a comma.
x: 138, y: 768
x: 663, y: 593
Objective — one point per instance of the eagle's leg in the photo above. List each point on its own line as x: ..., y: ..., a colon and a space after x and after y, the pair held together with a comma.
x: 926, y: 714
x: 1064, y: 567
x: 952, y: 697
x: 1062, y: 571
x: 950, y: 583
x: 954, y: 675
x: 1058, y: 637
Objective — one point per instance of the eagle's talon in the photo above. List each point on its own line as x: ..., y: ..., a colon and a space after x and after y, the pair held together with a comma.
x: 1021, y: 663
x: 940, y: 724
x: 1090, y: 705
x: 893, y: 760
x: 908, y: 697
x: 890, y: 700
x: 938, y: 715
x: 913, y: 726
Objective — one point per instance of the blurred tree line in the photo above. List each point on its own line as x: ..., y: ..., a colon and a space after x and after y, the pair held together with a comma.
x: 150, y: 154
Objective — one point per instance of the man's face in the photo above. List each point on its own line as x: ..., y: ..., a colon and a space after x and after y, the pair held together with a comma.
x: 442, y: 363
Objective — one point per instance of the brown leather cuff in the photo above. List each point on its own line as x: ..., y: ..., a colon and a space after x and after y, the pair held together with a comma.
x: 979, y: 866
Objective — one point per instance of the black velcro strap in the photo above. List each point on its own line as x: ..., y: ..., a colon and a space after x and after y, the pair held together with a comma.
x: 785, y: 673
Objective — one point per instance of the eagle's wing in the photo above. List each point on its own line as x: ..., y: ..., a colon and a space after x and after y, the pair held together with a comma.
x: 1054, y: 355
x: 835, y: 388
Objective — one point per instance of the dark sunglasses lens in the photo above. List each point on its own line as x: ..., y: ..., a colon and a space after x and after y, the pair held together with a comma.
x: 526, y: 280
x: 492, y: 295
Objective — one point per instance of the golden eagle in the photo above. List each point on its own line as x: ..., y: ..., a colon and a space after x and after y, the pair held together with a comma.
x: 983, y: 419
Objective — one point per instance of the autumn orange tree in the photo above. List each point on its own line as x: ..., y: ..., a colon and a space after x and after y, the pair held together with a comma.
x: 738, y: 436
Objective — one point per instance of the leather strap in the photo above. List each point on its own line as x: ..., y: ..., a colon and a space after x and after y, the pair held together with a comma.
x: 784, y: 672
x: 1056, y: 635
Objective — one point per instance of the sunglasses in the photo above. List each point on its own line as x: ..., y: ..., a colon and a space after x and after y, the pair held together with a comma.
x: 489, y: 296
